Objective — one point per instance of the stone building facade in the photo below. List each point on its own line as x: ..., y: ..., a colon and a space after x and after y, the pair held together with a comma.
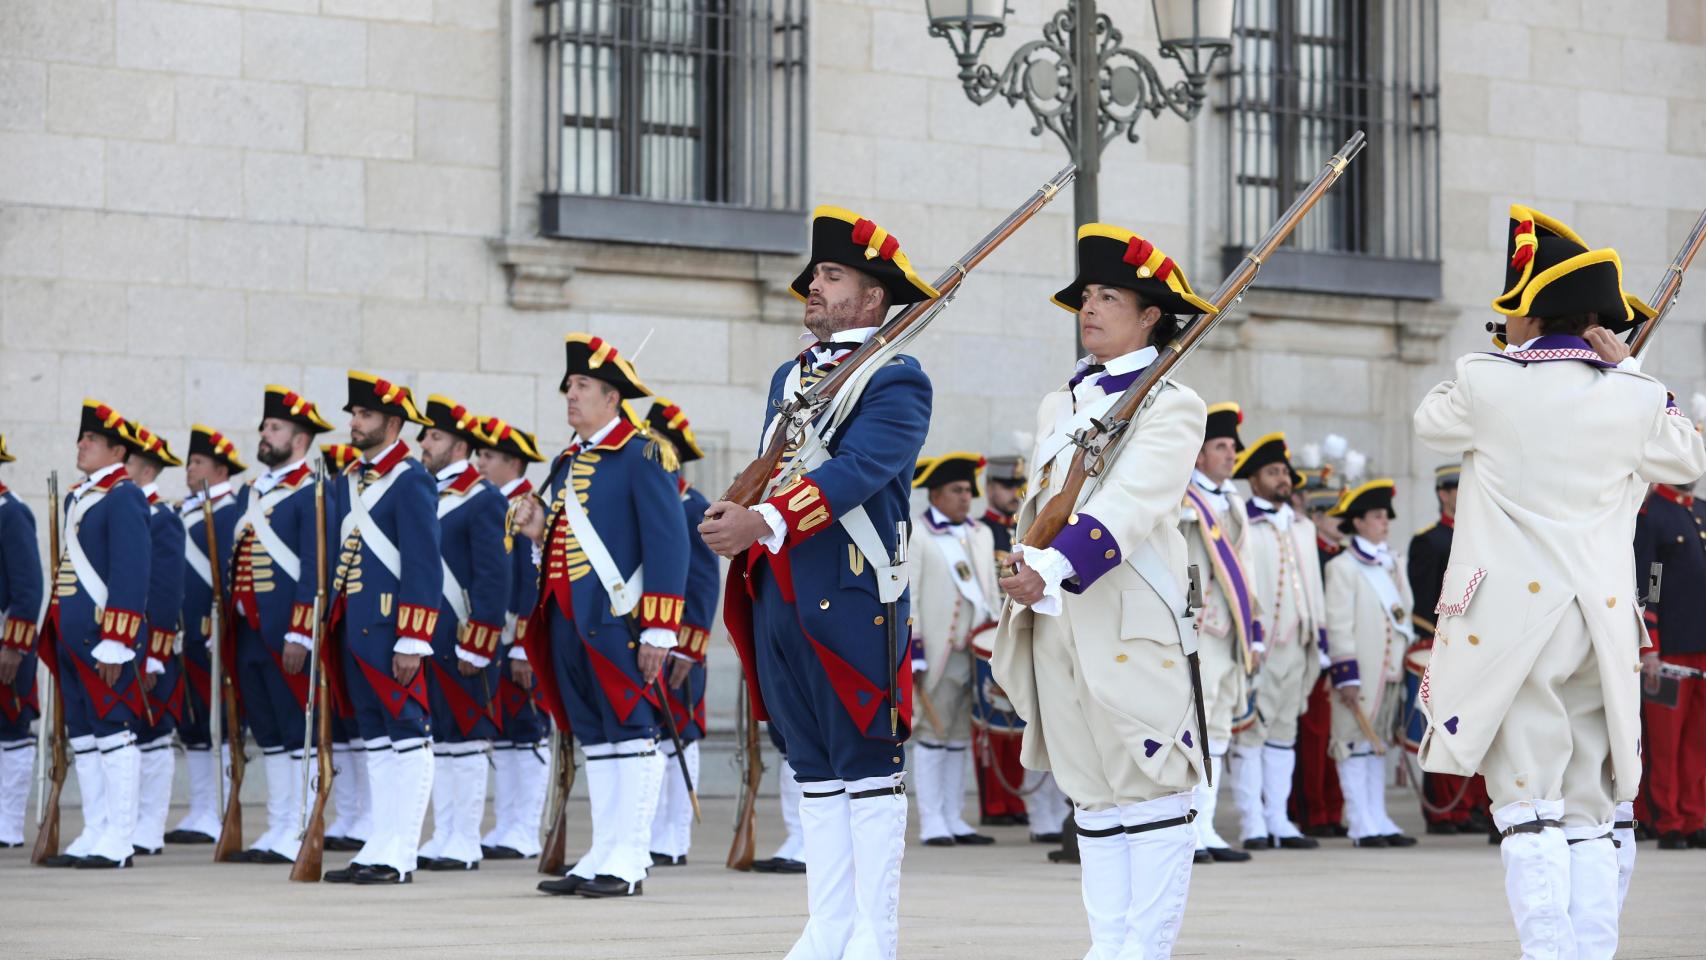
x: 200, y: 197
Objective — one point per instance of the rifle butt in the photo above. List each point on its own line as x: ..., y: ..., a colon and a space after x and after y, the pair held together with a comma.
x: 552, y: 856
x: 47, y: 835
x: 231, y: 829
x: 310, y: 857
x: 741, y: 851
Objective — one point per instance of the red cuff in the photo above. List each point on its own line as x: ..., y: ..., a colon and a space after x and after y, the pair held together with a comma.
x: 302, y: 619
x: 120, y: 626
x: 481, y: 639
x: 521, y: 629
x: 661, y: 610
x: 804, y: 510
x: 20, y: 634
x: 692, y: 642
x: 415, y: 622
x: 160, y: 643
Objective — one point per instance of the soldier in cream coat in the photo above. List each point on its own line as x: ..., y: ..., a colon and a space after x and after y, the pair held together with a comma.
x: 1534, y: 679
x: 1099, y: 671
x: 1228, y: 607
x: 1285, y: 576
x: 953, y: 598
x: 1368, y: 629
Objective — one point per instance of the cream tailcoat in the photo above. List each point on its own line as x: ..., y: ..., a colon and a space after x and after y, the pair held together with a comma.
x: 942, y: 615
x: 1127, y: 640
x: 1360, y: 631
x: 1554, y: 453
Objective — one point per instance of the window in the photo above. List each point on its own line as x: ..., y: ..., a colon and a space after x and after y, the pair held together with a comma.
x: 1305, y: 75
x: 679, y: 122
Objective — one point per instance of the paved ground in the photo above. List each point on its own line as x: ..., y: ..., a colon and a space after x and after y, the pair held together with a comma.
x: 1441, y: 899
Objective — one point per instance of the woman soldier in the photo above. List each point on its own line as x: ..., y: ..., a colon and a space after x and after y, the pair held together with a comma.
x: 1098, y: 672
x: 1368, y: 630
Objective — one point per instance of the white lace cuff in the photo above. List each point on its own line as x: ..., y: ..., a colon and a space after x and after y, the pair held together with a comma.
x: 778, y: 529
x: 658, y: 637
x: 300, y: 639
x: 111, y: 651
x: 472, y: 658
x: 1053, y: 567
x: 413, y: 647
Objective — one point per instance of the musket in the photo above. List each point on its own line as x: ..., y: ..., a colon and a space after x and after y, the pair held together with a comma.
x: 1099, y: 444
x: 750, y: 756
x: 1665, y: 296
x: 1374, y: 739
x: 310, y: 854
x: 551, y: 858
x: 891, y: 618
x: 675, y: 741
x: 222, y: 723
x: 797, y: 412
x: 52, y: 746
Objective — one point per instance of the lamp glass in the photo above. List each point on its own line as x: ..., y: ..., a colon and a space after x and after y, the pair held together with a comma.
x: 1194, y: 23
x: 979, y: 14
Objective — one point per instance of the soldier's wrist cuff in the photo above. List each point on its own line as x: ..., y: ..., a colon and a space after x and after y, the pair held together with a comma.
x: 160, y: 642
x: 1344, y: 673
x: 120, y: 626
x: 805, y: 510
x: 416, y: 622
x: 661, y: 611
x: 20, y: 634
x: 692, y: 642
x: 480, y: 640
x: 302, y: 618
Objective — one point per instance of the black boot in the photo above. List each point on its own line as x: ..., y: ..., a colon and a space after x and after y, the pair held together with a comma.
x: 605, y: 885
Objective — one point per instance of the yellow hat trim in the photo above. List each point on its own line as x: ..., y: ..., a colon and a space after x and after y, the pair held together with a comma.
x: 1521, y: 213
x: 873, y: 247
x: 1229, y: 406
x: 1175, y: 280
x: 929, y: 465
x: 1250, y: 451
x: 1538, y: 283
x: 1349, y: 496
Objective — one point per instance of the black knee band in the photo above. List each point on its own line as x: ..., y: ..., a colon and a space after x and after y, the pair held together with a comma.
x: 1112, y: 831
x: 1162, y: 824
x: 819, y: 796
x: 898, y: 790
x: 1532, y: 826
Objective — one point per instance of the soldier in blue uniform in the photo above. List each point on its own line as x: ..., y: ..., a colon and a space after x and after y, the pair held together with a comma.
x: 684, y: 684
x: 520, y: 767
x: 601, y: 633
x: 213, y: 460
x: 93, y: 635
x: 162, y: 677
x: 390, y: 581
x: 350, y: 794
x: 463, y: 669
x: 272, y: 586
x: 811, y: 574
x: 1671, y: 530
x: 20, y: 603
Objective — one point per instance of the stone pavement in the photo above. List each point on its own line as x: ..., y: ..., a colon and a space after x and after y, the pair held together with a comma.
x: 1441, y: 899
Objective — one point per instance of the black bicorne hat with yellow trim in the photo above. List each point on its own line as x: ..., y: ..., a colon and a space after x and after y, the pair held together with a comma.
x: 933, y: 472
x: 842, y: 236
x: 1223, y: 421
x: 598, y: 358
x: 1551, y: 272
x: 1268, y: 449
x: 283, y: 403
x: 1116, y: 257
x: 498, y: 434
x: 1373, y: 495
x: 378, y: 393
x: 666, y: 420
x: 5, y: 454
x: 100, y: 418
x: 443, y: 413
x: 144, y: 442
x: 211, y: 443
x: 339, y: 456
x: 1447, y: 475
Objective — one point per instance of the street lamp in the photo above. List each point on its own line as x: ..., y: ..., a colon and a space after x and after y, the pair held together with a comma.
x: 1082, y: 51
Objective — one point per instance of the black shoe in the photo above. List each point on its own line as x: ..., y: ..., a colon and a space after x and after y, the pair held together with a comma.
x: 1374, y: 841
x: 502, y: 853
x: 562, y: 886
x: 1202, y: 856
x: 141, y: 851
x: 62, y: 860
x: 266, y: 856
x: 378, y: 874
x: 1400, y: 840
x: 1322, y: 830
x: 605, y: 885
x: 765, y: 866
x: 939, y: 842
x: 188, y: 836
x: 1258, y: 843
x: 973, y: 840
x: 786, y: 865
x: 1045, y: 838
x: 1227, y: 855
x: 447, y: 863
x: 1063, y: 855
x: 1476, y: 822
x: 1697, y: 840
x: 341, y: 844
x: 1442, y: 827
x: 665, y: 860
x: 1673, y: 840
x: 1298, y: 843
x: 998, y: 820
x: 346, y: 875
x: 102, y: 863
x: 1021, y: 819
x: 240, y: 856
x: 4, y: 845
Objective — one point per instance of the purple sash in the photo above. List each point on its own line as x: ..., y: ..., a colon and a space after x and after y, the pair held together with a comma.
x: 1228, y: 572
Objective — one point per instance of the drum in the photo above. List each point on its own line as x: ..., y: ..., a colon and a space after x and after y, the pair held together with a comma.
x: 991, y: 711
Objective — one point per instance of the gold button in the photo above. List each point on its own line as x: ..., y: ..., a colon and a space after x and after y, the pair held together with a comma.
x: 1119, y: 658
x: 1637, y: 668
x: 1522, y: 781
x: 1534, y: 586
x: 909, y: 621
x: 1611, y: 601
x: 878, y: 620
x: 896, y: 759
x: 1072, y: 521
x: 632, y: 644
x: 1110, y: 554
x: 1166, y: 664
x: 823, y: 604
x: 1096, y: 534
x: 1474, y: 641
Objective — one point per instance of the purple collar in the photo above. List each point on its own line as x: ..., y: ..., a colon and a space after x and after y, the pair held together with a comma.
x: 1111, y: 383
x: 1557, y: 347
x: 1256, y: 512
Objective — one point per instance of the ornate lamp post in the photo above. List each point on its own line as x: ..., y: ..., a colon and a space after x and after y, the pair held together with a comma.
x: 1079, y: 81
